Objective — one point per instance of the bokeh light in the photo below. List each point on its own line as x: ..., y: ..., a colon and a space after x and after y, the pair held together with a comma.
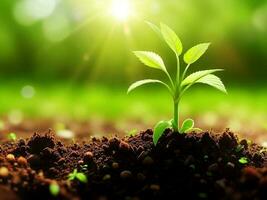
x: 121, y: 9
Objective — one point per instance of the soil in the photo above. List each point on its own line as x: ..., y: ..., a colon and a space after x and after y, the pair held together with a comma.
x: 182, y: 166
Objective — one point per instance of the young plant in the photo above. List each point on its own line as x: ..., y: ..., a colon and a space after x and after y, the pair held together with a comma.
x: 77, y: 175
x: 54, y: 189
x: 182, y: 82
x: 12, y: 137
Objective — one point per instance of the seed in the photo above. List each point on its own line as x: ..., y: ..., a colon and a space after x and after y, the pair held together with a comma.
x: 22, y: 161
x: 10, y: 157
x: 4, y: 172
x: 125, y: 174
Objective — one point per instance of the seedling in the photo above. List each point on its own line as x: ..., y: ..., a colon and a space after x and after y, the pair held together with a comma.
x: 243, y: 160
x: 12, y: 137
x: 182, y: 82
x: 77, y: 175
x: 54, y: 189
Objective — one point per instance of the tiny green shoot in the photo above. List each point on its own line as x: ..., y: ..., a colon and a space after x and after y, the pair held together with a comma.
x: 12, y: 137
x: 243, y: 160
x: 178, y: 85
x: 54, y: 189
x: 77, y: 175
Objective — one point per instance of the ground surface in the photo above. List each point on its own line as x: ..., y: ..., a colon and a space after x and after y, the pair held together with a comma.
x: 192, y: 166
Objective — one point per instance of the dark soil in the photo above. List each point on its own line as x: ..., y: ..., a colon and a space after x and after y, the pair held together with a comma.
x: 192, y: 166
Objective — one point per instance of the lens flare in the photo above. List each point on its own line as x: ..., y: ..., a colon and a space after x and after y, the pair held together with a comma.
x: 121, y: 9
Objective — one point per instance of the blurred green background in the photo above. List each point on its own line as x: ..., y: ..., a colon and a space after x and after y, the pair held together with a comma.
x: 71, y: 59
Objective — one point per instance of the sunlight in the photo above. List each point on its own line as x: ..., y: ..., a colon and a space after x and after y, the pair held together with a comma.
x: 121, y: 9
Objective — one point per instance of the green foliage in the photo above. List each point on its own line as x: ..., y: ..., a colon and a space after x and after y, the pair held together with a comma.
x: 54, y: 189
x: 243, y: 160
x: 77, y: 175
x: 178, y: 86
x: 12, y: 136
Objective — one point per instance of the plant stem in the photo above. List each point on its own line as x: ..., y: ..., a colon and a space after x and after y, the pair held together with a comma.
x: 176, y: 96
x: 175, y: 116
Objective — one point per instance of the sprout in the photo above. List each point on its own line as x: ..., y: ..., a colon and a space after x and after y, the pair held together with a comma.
x: 12, y: 136
x: 243, y: 160
x: 54, y: 188
x: 182, y: 82
x: 77, y: 175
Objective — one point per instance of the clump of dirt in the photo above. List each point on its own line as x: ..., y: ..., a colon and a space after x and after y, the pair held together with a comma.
x: 190, y: 166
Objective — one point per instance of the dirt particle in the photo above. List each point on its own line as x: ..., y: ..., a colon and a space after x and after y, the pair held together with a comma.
x: 4, y: 172
x: 115, y: 165
x: 155, y: 187
x: 34, y: 160
x: 148, y: 161
x: 106, y: 177
x: 126, y: 174
x: 10, y: 157
x: 124, y: 146
x: 213, y: 167
x: 88, y: 156
x: 22, y: 161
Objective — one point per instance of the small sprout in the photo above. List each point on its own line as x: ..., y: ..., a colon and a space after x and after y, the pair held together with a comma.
x: 182, y: 82
x: 77, y: 175
x: 132, y: 132
x: 243, y: 160
x: 12, y: 137
x: 54, y: 189
x: 239, y: 148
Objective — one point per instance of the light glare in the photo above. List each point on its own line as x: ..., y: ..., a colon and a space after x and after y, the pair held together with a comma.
x: 121, y: 9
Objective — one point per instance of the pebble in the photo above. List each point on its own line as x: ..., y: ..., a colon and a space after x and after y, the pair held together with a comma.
x: 34, y: 160
x: 22, y: 161
x: 10, y: 157
x: 148, y: 161
x: 155, y: 187
x: 230, y: 165
x: 125, y: 174
x: 4, y: 172
x: 115, y: 165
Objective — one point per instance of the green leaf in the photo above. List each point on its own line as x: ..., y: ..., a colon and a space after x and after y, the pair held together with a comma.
x: 159, y: 130
x: 142, y: 82
x: 243, y: 160
x: 187, y: 125
x: 171, y: 39
x: 213, y: 81
x: 194, y: 77
x: 194, y: 53
x: 154, y: 28
x: 54, y: 189
x: 81, y: 177
x: 150, y: 59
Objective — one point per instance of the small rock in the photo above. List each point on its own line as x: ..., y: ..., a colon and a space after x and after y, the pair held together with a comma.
x: 80, y: 162
x: 126, y: 174
x: 189, y: 160
x: 115, y: 165
x: 10, y: 157
x: 22, y: 161
x: 155, y: 187
x: 148, y: 161
x: 4, y: 172
x: 142, y: 155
